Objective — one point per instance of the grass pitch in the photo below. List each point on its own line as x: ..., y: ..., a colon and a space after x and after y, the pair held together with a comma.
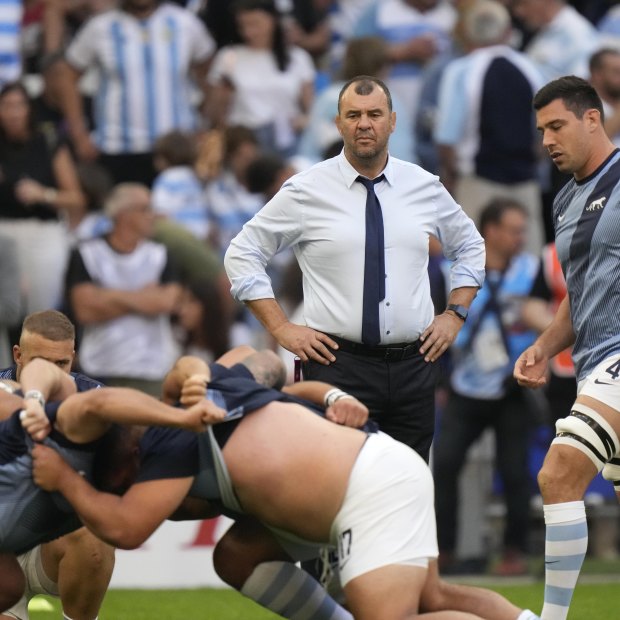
x: 591, y: 602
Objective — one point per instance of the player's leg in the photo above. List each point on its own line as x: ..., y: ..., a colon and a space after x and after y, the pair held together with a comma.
x: 37, y: 582
x: 439, y: 595
x: 82, y: 566
x: 12, y: 581
x: 585, y: 441
x: 251, y: 560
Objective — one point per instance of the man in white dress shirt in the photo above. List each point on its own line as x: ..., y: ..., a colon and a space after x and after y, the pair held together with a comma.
x: 320, y: 214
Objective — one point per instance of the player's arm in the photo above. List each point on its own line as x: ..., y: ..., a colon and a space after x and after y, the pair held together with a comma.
x: 340, y: 407
x: 124, y: 522
x: 531, y: 366
x: 86, y: 416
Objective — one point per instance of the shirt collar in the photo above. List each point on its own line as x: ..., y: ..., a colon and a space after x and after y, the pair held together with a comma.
x: 350, y: 174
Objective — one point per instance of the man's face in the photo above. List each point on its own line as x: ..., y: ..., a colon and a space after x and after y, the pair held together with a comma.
x: 365, y: 123
x: 508, y: 236
x: 32, y: 346
x: 566, y: 137
x: 607, y: 79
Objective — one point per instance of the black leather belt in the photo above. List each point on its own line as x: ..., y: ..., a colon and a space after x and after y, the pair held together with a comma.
x: 389, y: 352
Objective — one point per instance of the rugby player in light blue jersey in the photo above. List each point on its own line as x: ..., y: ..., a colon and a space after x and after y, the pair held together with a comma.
x: 586, y: 215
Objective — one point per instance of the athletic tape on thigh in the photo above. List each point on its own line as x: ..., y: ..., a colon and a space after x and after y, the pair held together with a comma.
x: 611, y: 471
x: 588, y: 431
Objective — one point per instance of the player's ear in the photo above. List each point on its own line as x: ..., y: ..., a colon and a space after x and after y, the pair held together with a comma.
x: 17, y: 354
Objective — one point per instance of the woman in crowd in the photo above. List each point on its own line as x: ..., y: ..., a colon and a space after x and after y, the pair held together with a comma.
x: 39, y: 195
x: 262, y: 83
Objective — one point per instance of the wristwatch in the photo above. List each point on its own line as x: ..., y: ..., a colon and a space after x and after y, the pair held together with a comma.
x: 460, y: 311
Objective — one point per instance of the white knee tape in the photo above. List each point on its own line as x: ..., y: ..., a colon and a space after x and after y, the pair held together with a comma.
x: 611, y: 472
x: 589, y: 432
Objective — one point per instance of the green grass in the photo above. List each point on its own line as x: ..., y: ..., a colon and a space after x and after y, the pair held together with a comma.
x: 591, y: 601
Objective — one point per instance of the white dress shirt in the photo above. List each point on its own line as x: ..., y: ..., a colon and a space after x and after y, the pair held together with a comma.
x: 320, y: 213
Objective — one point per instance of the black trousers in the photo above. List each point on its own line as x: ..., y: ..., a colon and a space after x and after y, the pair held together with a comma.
x: 130, y: 167
x: 462, y: 422
x: 400, y: 395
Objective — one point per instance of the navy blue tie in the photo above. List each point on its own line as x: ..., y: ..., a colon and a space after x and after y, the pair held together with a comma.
x: 374, y: 264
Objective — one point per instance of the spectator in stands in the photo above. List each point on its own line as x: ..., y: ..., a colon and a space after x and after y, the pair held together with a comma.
x: 229, y: 201
x: 263, y: 83
x: 605, y: 77
x: 177, y: 191
x: 203, y: 320
x: 10, y: 29
x: 123, y: 291
x: 38, y: 189
x: 416, y: 32
x: 363, y: 56
x: 146, y: 53
x: 563, y: 40
x: 483, y: 394
x: 482, y: 155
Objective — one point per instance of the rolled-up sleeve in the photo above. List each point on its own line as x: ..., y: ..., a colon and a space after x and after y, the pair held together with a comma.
x: 275, y: 227
x: 462, y: 244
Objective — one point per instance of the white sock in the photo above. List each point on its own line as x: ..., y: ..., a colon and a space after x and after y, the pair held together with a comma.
x: 527, y: 614
x: 291, y: 592
x: 566, y: 542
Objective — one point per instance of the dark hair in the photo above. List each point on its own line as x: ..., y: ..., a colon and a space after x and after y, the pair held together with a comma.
x: 364, y: 56
x: 279, y: 46
x: 10, y: 87
x: 262, y: 172
x: 577, y: 94
x: 234, y: 137
x: 598, y: 58
x: 95, y: 183
x: 50, y: 324
x: 495, y: 210
x: 178, y: 148
x: 213, y: 333
x: 364, y: 85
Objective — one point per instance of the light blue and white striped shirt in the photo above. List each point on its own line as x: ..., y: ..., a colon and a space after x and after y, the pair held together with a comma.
x: 145, y: 88
x: 10, y: 44
x: 587, y: 230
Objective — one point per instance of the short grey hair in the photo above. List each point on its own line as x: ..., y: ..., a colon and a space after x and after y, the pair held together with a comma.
x: 486, y: 22
x: 122, y: 197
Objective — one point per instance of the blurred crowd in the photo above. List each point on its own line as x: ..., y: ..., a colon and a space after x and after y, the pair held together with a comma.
x: 137, y: 137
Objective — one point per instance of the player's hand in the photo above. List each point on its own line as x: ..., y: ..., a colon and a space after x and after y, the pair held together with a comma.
x: 531, y: 368
x: 34, y: 421
x: 194, y: 389
x: 348, y: 411
x: 48, y: 467
x: 201, y: 415
x: 306, y: 343
x: 439, y: 336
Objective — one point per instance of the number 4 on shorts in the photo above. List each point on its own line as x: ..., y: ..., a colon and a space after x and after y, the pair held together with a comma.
x: 614, y: 370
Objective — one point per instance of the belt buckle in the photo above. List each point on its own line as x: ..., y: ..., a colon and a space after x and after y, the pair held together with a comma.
x: 394, y: 354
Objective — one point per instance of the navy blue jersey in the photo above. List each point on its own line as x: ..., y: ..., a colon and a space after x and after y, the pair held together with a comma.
x: 167, y: 453
x: 30, y: 516
x: 83, y: 383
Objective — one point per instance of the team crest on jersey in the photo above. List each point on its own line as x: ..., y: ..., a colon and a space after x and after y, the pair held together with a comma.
x: 597, y: 205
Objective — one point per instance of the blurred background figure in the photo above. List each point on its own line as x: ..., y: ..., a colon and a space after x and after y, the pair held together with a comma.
x: 11, y: 13
x: 605, y: 77
x: 177, y: 191
x: 147, y: 54
x: 10, y: 314
x: 482, y: 392
x: 416, y: 31
x: 203, y: 328
x: 39, y: 194
x: 485, y: 132
x: 560, y: 39
x: 263, y: 83
x: 230, y: 202
x: 123, y: 291
x: 363, y: 56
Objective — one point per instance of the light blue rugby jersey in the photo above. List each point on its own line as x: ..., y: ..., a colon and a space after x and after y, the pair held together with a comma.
x: 586, y: 217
